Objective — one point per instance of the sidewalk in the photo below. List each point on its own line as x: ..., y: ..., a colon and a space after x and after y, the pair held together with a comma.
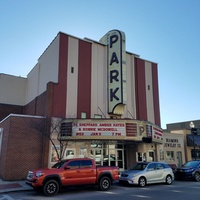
x: 10, y: 186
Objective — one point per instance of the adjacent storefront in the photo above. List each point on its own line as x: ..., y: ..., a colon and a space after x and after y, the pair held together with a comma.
x: 172, y: 149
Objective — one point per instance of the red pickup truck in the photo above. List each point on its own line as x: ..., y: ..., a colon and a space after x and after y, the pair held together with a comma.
x: 72, y: 172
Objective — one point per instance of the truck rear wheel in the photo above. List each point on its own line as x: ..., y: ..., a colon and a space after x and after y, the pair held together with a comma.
x: 51, y: 188
x: 104, y: 183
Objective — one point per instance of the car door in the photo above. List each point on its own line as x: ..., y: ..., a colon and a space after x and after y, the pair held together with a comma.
x: 151, y: 173
x: 160, y: 172
x: 71, y: 173
x: 87, y: 172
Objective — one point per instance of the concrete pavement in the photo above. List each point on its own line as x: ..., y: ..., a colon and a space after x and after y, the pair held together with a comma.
x: 10, y: 186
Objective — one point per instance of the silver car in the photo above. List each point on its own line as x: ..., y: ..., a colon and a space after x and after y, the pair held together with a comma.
x: 143, y: 173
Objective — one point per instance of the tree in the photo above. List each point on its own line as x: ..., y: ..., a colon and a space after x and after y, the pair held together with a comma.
x: 55, y: 129
x: 57, y: 132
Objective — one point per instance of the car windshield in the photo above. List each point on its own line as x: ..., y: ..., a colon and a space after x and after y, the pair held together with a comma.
x: 59, y: 164
x: 191, y: 164
x: 139, y: 166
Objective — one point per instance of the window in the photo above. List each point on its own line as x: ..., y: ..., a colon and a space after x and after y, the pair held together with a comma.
x: 83, y: 115
x: 151, y: 156
x: 139, y: 156
x: 159, y: 166
x: 161, y: 154
x: 86, y: 163
x: 139, y: 166
x: 70, y: 153
x: 74, y: 164
x: 195, y: 153
x: 54, y: 155
x: 97, y: 116
x: 151, y: 166
x: 83, y: 152
x: 72, y: 70
x: 169, y: 155
x: 58, y: 165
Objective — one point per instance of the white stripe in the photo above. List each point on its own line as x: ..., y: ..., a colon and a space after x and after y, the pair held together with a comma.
x: 99, y: 80
x: 149, y: 93
x: 72, y: 78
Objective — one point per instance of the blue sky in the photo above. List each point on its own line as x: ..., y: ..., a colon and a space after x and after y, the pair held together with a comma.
x: 163, y: 31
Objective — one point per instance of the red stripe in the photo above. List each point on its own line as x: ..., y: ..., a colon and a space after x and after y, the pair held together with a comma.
x: 60, y: 89
x: 157, y: 129
x: 84, y: 79
x: 156, y: 93
x: 141, y: 104
x: 156, y: 133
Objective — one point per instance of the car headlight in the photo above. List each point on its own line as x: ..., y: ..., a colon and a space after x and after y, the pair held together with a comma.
x: 38, y: 174
x: 132, y: 175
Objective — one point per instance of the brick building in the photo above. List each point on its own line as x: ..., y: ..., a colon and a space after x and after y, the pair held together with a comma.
x: 23, y: 146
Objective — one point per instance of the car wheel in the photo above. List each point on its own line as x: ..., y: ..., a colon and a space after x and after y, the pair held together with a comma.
x: 168, y: 180
x: 197, y: 176
x: 51, y: 188
x: 104, y: 183
x: 142, y: 181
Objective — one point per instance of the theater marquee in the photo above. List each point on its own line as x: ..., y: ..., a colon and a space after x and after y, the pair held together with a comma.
x: 98, y: 129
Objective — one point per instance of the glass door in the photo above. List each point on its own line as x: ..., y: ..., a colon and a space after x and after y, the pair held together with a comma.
x: 151, y: 156
x: 97, y: 155
x: 108, y: 155
x: 120, y: 159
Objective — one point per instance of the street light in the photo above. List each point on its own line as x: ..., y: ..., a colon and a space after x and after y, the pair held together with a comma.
x: 192, y: 132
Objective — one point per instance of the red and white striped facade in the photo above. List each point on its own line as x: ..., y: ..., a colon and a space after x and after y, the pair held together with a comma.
x: 77, y: 69
x: 71, y: 79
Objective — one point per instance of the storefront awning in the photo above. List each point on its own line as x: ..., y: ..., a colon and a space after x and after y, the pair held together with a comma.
x: 190, y: 139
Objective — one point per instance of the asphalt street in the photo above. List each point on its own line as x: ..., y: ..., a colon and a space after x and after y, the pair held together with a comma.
x: 179, y: 190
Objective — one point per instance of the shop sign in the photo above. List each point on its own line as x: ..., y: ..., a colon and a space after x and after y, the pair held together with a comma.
x: 98, y: 129
x: 169, y: 142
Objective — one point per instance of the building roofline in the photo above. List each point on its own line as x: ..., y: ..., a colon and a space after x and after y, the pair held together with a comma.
x: 20, y: 115
x: 3, y: 74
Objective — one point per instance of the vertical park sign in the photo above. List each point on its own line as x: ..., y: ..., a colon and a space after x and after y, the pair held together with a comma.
x: 116, y: 64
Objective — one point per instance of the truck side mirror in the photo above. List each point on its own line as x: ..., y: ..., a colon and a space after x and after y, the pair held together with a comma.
x: 67, y: 167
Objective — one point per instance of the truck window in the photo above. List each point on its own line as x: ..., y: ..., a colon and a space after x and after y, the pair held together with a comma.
x: 58, y: 165
x: 74, y: 164
x: 86, y: 163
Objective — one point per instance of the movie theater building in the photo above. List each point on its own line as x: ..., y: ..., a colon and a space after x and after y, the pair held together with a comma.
x: 107, y: 98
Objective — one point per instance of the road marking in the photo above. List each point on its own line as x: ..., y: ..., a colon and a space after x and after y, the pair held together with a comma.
x: 176, y: 191
x: 6, y: 197
x: 110, y: 192
x: 142, y: 196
